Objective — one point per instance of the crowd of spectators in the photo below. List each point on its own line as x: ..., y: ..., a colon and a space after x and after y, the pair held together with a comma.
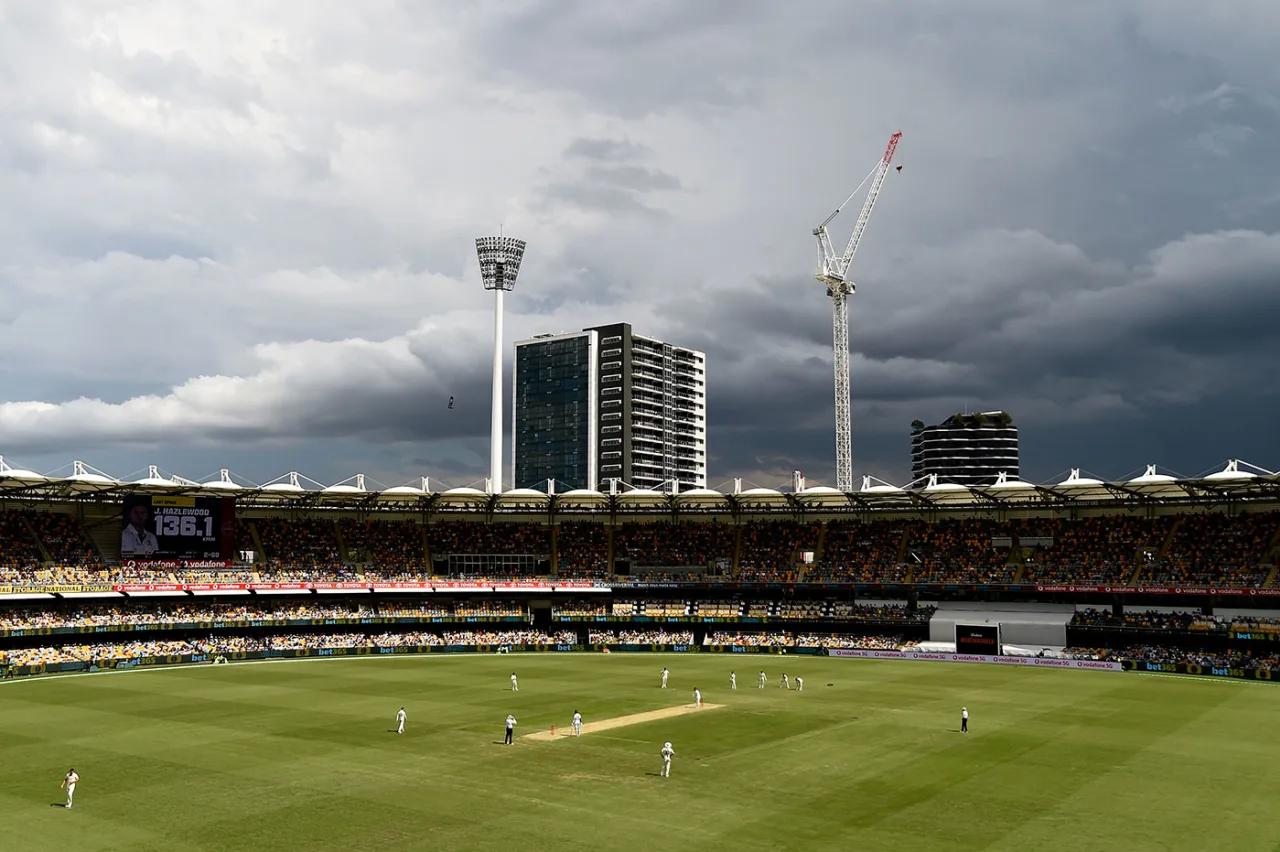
x: 786, y: 639
x: 1234, y: 658
x: 1091, y: 551
x: 384, y: 544
x: 673, y: 544
x: 957, y: 551
x: 298, y: 543
x: 218, y: 645
x: 18, y: 547
x: 38, y: 547
x: 585, y: 608
x: 1255, y: 624
x: 857, y: 552
x: 502, y: 538
x: 1181, y: 622
x: 489, y: 608
x: 64, y: 539
x: 657, y: 636
x: 1176, y: 622
x: 106, y: 615
x: 583, y: 549
x: 772, y: 550
x: 1215, y: 549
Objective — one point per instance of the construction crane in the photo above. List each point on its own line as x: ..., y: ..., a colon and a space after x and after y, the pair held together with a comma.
x: 833, y: 271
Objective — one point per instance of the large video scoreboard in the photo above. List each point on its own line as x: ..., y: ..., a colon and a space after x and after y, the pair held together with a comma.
x: 978, y: 639
x: 165, y: 527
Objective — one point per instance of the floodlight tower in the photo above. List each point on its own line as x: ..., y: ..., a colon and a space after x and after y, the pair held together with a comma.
x: 499, y: 265
x: 833, y: 272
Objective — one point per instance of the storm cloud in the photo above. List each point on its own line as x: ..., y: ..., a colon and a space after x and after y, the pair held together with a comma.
x: 239, y: 235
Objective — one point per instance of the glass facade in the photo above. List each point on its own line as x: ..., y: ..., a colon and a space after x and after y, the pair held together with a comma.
x: 552, y: 404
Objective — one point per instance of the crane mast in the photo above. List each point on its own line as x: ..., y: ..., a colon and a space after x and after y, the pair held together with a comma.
x: 833, y: 271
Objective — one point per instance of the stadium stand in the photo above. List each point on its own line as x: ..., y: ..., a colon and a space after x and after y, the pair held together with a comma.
x: 583, y: 549
x: 657, y: 545
x: 382, y: 545
x: 771, y: 550
x: 863, y: 552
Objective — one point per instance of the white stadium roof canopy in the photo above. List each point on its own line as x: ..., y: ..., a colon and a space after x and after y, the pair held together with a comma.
x: 1237, y: 480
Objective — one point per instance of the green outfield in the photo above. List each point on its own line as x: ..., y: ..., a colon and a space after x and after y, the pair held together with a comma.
x: 301, y: 755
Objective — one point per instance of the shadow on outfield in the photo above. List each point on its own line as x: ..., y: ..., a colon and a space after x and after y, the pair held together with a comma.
x: 57, y: 805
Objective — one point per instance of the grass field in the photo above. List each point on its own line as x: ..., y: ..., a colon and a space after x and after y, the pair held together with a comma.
x: 299, y: 755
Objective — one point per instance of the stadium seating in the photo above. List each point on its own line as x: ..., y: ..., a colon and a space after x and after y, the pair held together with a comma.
x: 1215, y: 550
x: 1190, y: 549
x: 692, y: 544
x: 863, y: 553
x: 771, y: 550
x: 1093, y: 551
x: 302, y: 543
x: 382, y: 545
x: 583, y: 549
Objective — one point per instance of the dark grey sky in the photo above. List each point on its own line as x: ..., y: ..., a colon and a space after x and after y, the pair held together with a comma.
x: 238, y: 235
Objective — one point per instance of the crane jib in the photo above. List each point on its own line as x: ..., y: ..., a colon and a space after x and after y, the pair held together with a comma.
x: 833, y: 271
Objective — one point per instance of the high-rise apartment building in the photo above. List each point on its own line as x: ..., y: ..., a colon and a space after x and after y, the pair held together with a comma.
x: 967, y: 449
x: 606, y: 403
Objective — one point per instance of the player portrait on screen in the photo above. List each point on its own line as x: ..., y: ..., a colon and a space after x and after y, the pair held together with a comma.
x: 137, y: 539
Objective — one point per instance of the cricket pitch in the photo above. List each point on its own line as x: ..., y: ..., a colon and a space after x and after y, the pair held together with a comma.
x: 619, y: 722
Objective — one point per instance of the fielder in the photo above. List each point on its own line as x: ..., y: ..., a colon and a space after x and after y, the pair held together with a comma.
x: 733, y: 681
x: 511, y: 727
x: 664, y: 677
x: 785, y: 683
x: 69, y: 784
x: 964, y: 725
x: 799, y: 684
x: 762, y: 681
x: 697, y: 697
x: 515, y: 684
x: 577, y: 723
x: 400, y: 717
x: 667, y: 753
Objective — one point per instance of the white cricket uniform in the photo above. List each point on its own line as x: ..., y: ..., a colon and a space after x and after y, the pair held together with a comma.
x: 70, y: 783
x: 667, y: 753
x: 799, y: 684
x: 784, y: 683
x: 733, y: 681
x: 697, y: 697
x: 763, y: 680
x: 577, y: 724
x: 664, y: 678
x: 134, y: 542
x: 515, y: 685
x: 400, y: 717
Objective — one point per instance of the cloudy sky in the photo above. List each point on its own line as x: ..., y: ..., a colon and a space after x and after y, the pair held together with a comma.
x: 240, y: 233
